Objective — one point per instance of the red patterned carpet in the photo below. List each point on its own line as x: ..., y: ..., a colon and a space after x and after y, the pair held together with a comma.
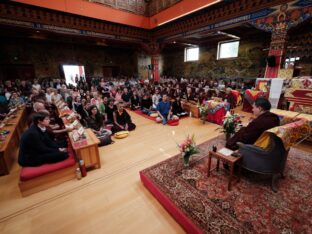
x: 203, y: 205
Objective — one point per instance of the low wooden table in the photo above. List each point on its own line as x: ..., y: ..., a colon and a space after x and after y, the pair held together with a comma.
x: 190, y: 107
x: 9, y: 147
x: 89, y: 152
x: 230, y: 160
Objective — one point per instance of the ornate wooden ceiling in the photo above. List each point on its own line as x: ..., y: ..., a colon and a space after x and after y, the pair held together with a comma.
x: 200, y: 25
x: 140, y: 7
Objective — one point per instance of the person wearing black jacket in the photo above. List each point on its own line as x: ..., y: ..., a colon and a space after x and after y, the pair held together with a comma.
x: 122, y: 120
x: 135, y: 101
x: 146, y: 103
x: 83, y: 112
x: 36, y: 146
x: 177, y: 108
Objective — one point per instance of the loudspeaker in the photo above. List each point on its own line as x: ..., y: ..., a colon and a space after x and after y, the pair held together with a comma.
x: 271, y: 61
x: 150, y: 67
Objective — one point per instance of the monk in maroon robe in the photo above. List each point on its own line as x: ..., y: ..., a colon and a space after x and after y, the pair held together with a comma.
x: 264, y: 120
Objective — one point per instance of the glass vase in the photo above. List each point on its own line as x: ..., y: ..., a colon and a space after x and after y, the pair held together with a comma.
x: 203, y: 119
x: 186, y: 159
x: 227, y: 136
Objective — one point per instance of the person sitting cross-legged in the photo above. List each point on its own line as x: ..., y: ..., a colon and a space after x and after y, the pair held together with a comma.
x: 95, y: 121
x: 122, y: 120
x: 177, y: 108
x: 146, y: 104
x: 164, y: 111
x: 36, y: 146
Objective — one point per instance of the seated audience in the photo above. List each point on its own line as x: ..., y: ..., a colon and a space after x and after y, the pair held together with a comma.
x: 230, y: 98
x: 4, y: 110
x: 146, y: 104
x: 164, y: 110
x: 96, y: 123
x: 82, y: 110
x: 109, y: 111
x: 15, y: 100
x: 118, y: 96
x: 36, y: 146
x: 37, y: 107
x: 156, y: 98
x: 264, y: 120
x: 135, y: 101
x: 126, y: 98
x: 177, y: 107
x: 122, y: 120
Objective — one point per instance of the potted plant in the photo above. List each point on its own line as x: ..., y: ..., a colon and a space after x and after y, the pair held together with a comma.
x: 187, y: 149
x: 203, y: 111
x: 230, y: 124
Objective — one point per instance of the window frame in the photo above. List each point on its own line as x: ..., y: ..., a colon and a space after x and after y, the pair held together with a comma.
x: 224, y: 42
x: 185, y: 54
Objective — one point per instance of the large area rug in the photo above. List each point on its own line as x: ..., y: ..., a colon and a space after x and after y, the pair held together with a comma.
x: 202, y: 204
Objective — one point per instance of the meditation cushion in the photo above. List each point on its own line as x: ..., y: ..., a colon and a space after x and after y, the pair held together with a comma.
x: 121, y: 134
x: 154, y: 115
x: 158, y: 120
x: 173, y: 122
x: 28, y: 173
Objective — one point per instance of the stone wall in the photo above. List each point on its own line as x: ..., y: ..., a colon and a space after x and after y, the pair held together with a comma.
x: 47, y: 57
x: 249, y: 63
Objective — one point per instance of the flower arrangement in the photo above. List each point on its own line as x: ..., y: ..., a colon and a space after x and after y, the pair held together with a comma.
x: 187, y: 149
x: 203, y: 110
x: 230, y: 123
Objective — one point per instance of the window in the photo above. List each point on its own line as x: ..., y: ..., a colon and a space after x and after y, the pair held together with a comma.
x: 228, y: 49
x: 191, y: 54
x: 290, y: 62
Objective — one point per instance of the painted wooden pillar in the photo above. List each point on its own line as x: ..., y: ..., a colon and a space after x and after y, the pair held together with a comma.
x: 287, y: 16
x: 153, y: 49
x: 277, y: 50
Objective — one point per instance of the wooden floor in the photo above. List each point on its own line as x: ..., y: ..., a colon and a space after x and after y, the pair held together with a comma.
x: 110, y: 199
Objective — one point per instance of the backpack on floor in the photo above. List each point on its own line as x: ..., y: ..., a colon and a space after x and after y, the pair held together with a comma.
x: 105, y: 139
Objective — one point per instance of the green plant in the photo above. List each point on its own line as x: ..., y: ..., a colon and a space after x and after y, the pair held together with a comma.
x: 203, y: 110
x: 231, y: 123
x: 188, y: 148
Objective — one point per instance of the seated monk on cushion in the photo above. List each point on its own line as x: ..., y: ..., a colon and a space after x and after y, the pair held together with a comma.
x: 229, y: 96
x: 122, y: 120
x: 264, y: 120
x: 36, y: 146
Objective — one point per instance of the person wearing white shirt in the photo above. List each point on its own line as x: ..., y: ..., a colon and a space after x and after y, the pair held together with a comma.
x: 155, y: 98
x: 49, y: 95
x: 36, y: 85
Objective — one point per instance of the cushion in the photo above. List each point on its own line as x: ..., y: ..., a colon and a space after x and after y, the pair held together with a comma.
x: 158, y: 120
x: 154, y: 115
x: 121, y: 134
x: 28, y: 173
x: 174, y: 122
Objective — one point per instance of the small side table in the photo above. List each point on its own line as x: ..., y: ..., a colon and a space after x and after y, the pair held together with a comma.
x: 230, y: 160
x: 88, y: 152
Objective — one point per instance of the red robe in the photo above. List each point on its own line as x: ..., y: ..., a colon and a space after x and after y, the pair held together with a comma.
x: 249, y: 134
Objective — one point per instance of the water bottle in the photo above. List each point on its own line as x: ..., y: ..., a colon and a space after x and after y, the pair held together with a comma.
x: 78, y: 174
x: 190, y: 114
x: 83, y: 169
x: 214, y: 148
